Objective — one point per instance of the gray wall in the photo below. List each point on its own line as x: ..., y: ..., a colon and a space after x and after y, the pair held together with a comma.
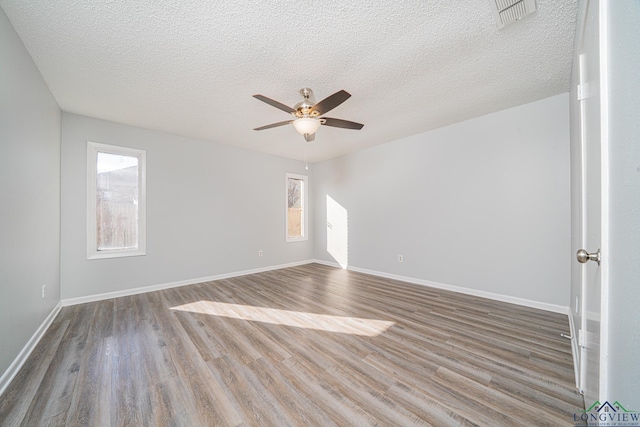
x: 29, y: 196
x: 623, y: 325
x: 210, y: 208
x: 483, y: 204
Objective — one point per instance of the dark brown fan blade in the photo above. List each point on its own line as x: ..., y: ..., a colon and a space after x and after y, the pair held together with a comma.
x: 339, y: 123
x: 276, y: 104
x: 310, y: 138
x: 274, y: 125
x: 331, y: 102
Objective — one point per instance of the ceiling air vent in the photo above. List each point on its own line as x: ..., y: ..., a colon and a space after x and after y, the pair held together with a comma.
x: 508, y: 11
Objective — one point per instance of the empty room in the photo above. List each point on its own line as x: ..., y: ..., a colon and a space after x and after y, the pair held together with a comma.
x: 319, y: 214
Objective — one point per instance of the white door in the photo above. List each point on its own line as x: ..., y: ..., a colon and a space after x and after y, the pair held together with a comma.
x: 589, y: 101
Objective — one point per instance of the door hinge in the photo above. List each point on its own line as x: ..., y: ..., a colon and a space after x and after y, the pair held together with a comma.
x: 581, y: 339
x: 585, y: 90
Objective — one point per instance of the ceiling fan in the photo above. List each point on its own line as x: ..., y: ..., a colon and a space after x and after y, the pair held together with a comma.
x: 307, y: 113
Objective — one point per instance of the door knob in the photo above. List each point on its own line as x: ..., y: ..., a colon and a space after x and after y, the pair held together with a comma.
x: 584, y: 256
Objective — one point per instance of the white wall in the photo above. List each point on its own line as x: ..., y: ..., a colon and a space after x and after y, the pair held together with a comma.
x: 29, y: 196
x: 483, y: 204
x: 210, y: 208
x: 623, y: 325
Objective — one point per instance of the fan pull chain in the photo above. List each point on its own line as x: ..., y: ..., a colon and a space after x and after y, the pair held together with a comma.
x: 306, y: 165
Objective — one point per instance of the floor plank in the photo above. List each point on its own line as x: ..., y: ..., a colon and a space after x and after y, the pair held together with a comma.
x: 307, y: 345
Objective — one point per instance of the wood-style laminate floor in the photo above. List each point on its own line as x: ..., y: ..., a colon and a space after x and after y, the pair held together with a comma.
x: 305, y: 346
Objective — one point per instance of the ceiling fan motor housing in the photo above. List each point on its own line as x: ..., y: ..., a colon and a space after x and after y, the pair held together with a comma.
x: 303, y: 108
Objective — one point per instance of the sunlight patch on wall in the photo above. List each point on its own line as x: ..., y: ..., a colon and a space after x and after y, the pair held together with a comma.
x: 337, y: 232
x: 298, y: 319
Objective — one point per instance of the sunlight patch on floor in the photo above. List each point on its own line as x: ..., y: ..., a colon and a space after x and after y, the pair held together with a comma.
x: 298, y: 319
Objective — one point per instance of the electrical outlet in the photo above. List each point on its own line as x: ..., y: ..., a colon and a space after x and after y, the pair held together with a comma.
x: 44, y: 290
x: 260, y: 253
x: 400, y: 258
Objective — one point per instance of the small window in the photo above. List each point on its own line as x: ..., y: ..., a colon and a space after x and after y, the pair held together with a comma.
x: 115, y: 201
x: 296, y: 192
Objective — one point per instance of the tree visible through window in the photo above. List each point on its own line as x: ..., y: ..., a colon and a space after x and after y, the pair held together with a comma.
x: 296, y: 207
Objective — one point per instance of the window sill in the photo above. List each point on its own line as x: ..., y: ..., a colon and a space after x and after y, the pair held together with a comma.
x: 115, y: 254
x: 296, y: 239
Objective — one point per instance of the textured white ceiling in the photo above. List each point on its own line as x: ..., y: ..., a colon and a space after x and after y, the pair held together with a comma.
x: 190, y: 67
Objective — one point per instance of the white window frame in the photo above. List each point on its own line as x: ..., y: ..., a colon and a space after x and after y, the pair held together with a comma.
x: 305, y: 207
x: 93, y: 148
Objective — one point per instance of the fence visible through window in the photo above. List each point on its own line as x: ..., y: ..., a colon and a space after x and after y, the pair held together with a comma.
x: 117, y: 202
x: 296, y: 207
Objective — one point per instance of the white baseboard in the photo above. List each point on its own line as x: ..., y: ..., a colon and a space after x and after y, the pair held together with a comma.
x: 328, y: 263
x: 117, y: 294
x: 483, y: 294
x: 22, y: 357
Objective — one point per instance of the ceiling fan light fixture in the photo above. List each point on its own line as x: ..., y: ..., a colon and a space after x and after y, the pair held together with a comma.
x: 306, y: 125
